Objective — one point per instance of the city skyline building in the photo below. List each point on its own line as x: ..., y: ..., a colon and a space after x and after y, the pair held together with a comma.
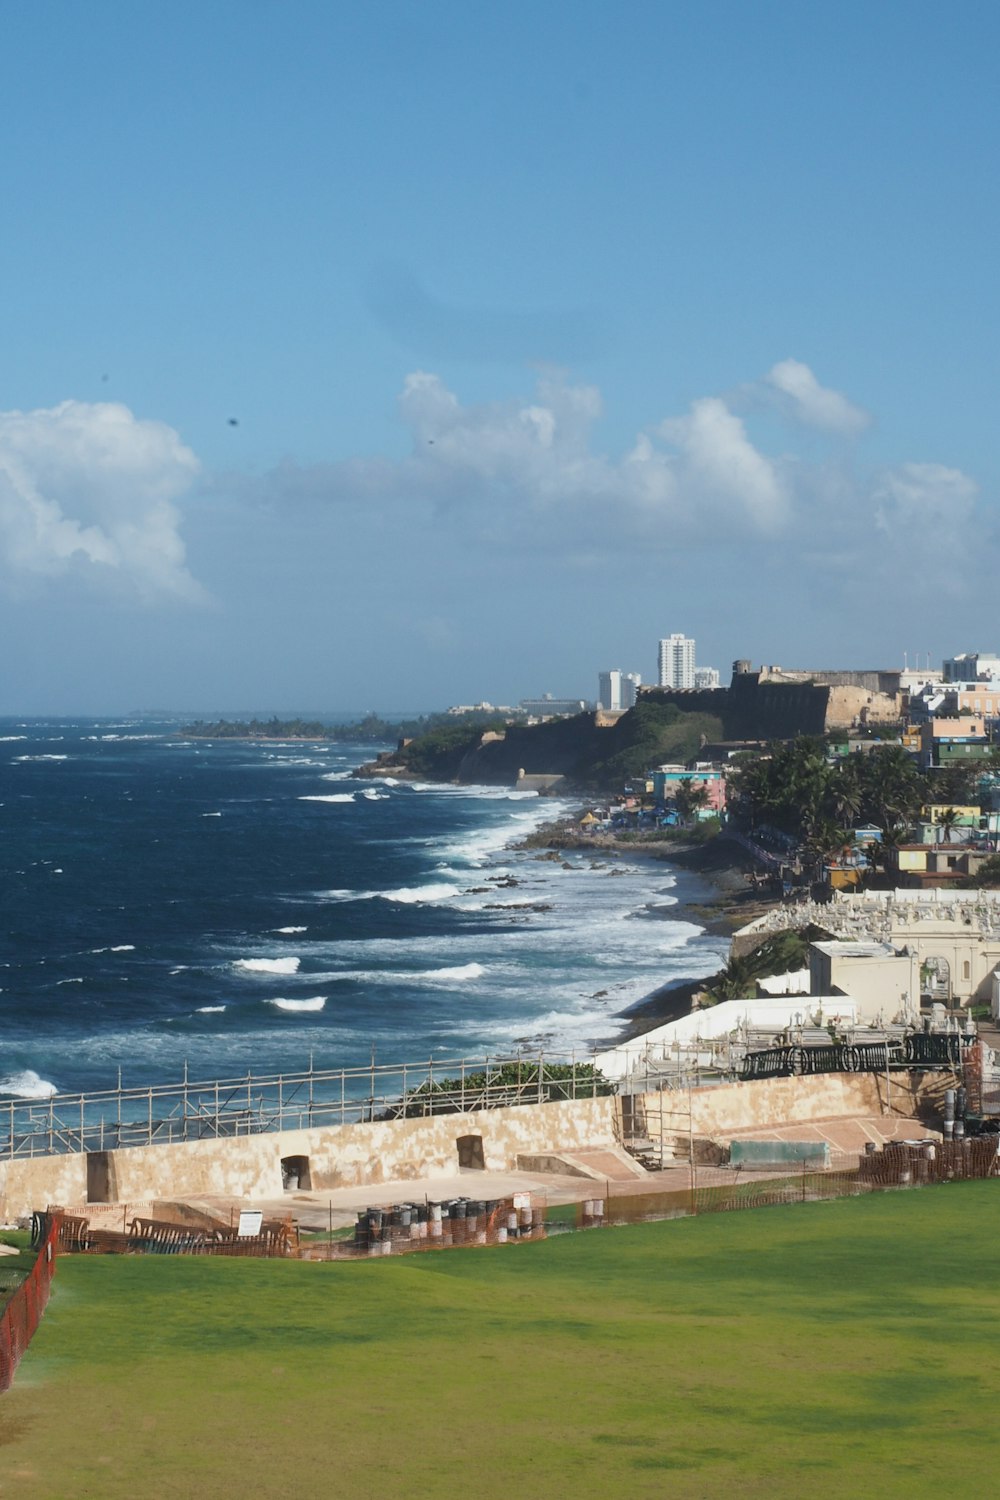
x: 617, y: 690
x: 675, y: 662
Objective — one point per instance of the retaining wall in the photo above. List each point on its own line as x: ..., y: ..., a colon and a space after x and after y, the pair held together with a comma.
x: 249, y: 1167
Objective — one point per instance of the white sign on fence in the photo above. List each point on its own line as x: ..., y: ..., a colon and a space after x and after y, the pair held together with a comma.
x: 250, y: 1222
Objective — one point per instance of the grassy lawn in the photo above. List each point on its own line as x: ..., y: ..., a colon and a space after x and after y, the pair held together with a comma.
x: 829, y: 1350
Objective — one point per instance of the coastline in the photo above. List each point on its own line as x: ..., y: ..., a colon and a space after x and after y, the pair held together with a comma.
x: 714, y: 890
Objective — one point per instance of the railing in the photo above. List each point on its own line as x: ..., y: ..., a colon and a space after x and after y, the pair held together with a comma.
x: 255, y: 1103
x: 21, y: 1316
x: 916, y: 1051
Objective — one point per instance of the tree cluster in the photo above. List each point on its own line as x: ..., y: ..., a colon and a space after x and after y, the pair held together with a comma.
x: 796, y: 789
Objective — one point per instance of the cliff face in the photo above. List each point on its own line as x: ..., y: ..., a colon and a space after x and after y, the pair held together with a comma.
x: 589, y: 753
x: 563, y: 747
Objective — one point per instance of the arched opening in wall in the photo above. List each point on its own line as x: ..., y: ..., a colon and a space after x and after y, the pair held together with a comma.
x: 101, y: 1177
x: 295, y: 1174
x: 935, y: 978
x: 470, y: 1152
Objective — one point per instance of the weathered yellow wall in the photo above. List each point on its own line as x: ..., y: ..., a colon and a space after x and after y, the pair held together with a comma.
x: 768, y: 1101
x: 339, y: 1156
x: 356, y: 1155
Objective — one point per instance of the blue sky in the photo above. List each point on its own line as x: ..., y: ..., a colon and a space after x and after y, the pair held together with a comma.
x: 547, y: 329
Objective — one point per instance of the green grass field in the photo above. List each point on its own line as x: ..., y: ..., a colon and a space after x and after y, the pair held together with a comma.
x: 829, y: 1350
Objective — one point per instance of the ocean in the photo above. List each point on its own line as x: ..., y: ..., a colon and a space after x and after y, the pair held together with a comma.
x: 234, y: 906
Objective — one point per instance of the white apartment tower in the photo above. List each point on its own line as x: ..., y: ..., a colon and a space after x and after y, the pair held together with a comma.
x: 617, y: 689
x: 675, y: 662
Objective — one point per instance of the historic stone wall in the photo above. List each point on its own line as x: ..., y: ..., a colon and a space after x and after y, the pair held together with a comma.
x: 357, y: 1155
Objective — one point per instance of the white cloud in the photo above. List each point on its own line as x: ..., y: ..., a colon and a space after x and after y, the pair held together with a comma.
x: 89, y: 488
x: 530, y: 475
x: 794, y: 389
x: 512, y: 469
x: 720, y: 460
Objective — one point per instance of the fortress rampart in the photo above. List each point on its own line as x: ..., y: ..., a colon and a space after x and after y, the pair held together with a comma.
x: 332, y: 1156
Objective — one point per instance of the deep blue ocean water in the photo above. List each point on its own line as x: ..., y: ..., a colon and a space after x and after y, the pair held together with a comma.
x: 242, y: 906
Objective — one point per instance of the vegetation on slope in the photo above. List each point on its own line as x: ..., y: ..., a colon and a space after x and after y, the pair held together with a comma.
x: 372, y: 729
x: 598, y: 759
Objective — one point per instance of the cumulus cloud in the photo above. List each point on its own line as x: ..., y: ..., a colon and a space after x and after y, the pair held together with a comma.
x: 523, y: 466
x: 530, y: 474
x: 90, y: 489
x: 793, y: 388
x: 721, y: 460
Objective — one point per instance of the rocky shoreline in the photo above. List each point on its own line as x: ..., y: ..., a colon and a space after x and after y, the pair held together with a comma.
x: 721, y: 894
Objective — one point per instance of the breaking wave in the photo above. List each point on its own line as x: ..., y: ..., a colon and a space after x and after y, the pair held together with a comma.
x: 268, y: 965
x: 315, y: 1002
x: 27, y: 1085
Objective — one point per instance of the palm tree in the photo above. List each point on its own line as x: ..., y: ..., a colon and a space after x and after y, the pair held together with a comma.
x: 844, y: 792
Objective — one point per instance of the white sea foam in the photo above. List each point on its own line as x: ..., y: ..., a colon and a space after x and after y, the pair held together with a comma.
x: 407, y: 895
x: 123, y: 948
x: 338, y: 776
x: 27, y: 1085
x: 291, y: 929
x: 268, y: 965
x: 457, y: 971
x: 411, y: 894
x: 180, y: 968
x: 316, y: 1002
x: 332, y: 797
x: 68, y: 981
x: 41, y: 757
x: 6, y: 739
x: 209, y: 1010
x: 376, y: 796
x: 212, y: 815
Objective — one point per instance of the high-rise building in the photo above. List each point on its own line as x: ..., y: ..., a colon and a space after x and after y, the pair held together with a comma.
x: 609, y: 694
x: 706, y: 677
x: 675, y: 662
x: 617, y: 689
